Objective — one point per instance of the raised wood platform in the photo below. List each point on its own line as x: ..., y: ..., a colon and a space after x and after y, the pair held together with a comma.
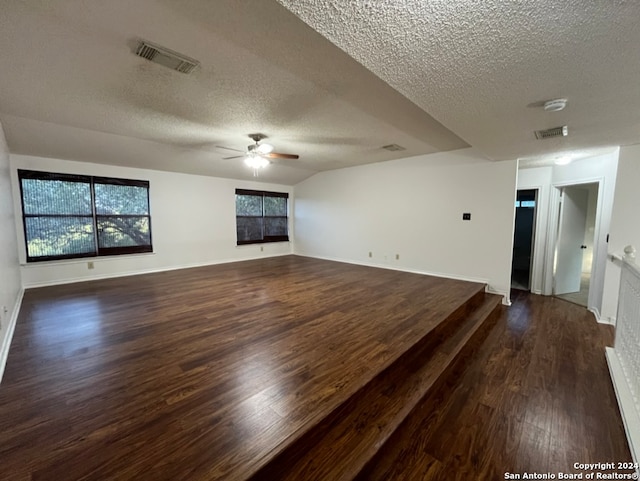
x: 535, y: 397
x: 344, y: 442
x: 227, y: 371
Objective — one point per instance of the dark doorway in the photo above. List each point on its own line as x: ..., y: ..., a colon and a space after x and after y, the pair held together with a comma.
x: 523, y: 239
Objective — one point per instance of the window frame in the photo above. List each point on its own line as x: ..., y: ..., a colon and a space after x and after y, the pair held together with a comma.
x: 92, y: 181
x: 265, y: 239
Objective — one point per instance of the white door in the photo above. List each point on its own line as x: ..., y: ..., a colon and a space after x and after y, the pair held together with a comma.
x: 573, y: 216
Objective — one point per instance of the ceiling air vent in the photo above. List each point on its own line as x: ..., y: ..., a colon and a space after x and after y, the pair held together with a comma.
x: 393, y: 147
x: 554, y: 132
x: 166, y: 57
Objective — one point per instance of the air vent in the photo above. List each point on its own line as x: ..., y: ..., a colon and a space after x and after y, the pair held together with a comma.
x: 393, y: 147
x: 554, y: 132
x: 166, y: 57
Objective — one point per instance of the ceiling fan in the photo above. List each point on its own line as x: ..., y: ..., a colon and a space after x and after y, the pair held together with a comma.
x: 257, y: 155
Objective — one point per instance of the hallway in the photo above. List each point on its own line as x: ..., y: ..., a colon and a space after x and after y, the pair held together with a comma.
x: 536, y: 397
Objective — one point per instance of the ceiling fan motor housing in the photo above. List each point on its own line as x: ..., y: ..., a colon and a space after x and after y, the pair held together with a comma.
x: 257, y: 137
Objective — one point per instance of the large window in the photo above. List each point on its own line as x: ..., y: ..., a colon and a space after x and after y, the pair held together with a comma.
x: 67, y: 216
x: 261, y: 216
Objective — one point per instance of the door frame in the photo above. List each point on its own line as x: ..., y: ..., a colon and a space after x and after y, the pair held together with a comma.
x: 574, y: 226
x: 552, y: 235
x: 533, y: 262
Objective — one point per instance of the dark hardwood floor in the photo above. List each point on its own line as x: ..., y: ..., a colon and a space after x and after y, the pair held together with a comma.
x: 203, y: 373
x: 536, y: 398
x: 207, y: 373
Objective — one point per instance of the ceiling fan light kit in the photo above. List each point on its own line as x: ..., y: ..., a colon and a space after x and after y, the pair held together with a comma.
x: 257, y: 155
x: 264, y: 148
x: 256, y: 161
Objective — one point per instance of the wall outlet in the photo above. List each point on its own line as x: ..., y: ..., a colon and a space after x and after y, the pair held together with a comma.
x: 370, y: 254
x: 261, y: 248
x: 397, y: 257
x: 90, y: 265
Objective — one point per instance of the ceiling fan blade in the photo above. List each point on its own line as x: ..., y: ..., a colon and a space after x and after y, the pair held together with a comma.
x: 276, y: 155
x: 234, y: 157
x: 228, y: 148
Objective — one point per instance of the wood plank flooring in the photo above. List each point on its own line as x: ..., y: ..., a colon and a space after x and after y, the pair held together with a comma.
x: 202, y: 373
x: 350, y: 438
x: 536, y: 397
x: 206, y: 373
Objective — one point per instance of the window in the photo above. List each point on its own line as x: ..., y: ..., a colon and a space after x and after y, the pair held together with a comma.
x: 261, y: 216
x: 68, y: 216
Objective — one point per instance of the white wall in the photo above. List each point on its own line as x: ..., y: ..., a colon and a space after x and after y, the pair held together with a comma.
x: 413, y: 207
x: 625, y: 224
x: 192, y: 222
x: 601, y: 169
x: 10, y: 282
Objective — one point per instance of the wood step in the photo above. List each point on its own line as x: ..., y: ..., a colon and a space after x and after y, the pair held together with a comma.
x: 342, y: 444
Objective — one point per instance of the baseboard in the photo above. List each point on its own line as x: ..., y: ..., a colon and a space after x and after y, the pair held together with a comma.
x: 628, y: 410
x: 506, y: 299
x: 601, y: 320
x: 11, y: 327
x: 505, y: 294
x: 74, y: 280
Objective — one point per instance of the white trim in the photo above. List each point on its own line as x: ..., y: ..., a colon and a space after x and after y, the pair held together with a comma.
x: 505, y: 295
x: 82, y: 260
x: 552, y: 235
x: 615, y: 259
x: 630, y: 417
x: 538, y: 266
x: 609, y: 321
x: 73, y: 280
x: 11, y: 327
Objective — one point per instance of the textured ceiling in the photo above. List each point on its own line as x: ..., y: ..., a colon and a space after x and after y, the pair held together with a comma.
x: 483, y: 67
x: 332, y: 81
x: 549, y: 160
x: 72, y: 88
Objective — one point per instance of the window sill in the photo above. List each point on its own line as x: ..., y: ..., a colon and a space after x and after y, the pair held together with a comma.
x: 240, y: 246
x: 83, y: 260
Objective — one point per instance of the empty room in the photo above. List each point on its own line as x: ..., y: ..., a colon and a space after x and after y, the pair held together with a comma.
x: 319, y: 240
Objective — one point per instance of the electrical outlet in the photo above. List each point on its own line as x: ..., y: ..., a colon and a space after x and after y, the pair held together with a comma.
x: 261, y: 248
x: 397, y: 257
x: 370, y: 254
x: 90, y: 265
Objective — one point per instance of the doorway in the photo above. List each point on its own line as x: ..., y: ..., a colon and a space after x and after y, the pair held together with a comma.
x: 574, y: 248
x: 523, y: 239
